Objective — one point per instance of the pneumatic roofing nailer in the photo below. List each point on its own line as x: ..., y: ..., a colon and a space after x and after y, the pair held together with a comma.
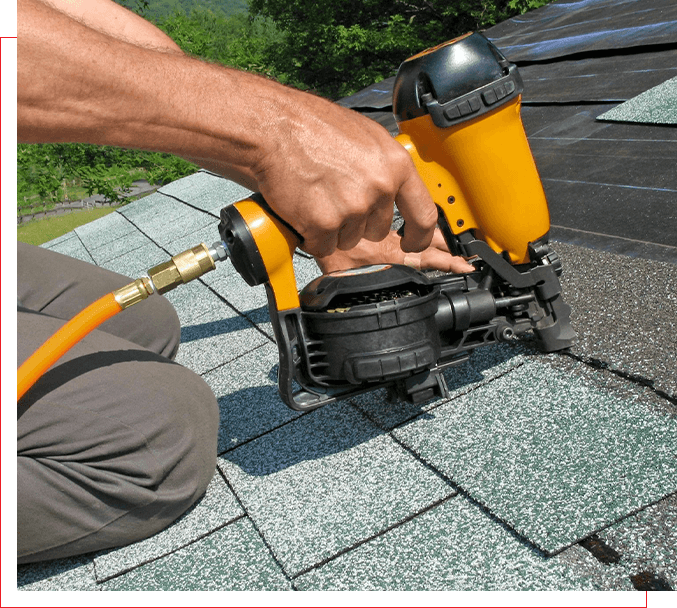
x: 457, y: 106
x: 458, y: 110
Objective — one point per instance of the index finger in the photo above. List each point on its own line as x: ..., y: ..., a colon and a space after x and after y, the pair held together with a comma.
x: 419, y: 213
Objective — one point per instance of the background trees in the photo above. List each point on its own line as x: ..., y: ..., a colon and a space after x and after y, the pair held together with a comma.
x: 341, y: 46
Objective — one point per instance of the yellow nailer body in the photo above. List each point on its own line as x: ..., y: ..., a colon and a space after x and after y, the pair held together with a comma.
x: 458, y: 111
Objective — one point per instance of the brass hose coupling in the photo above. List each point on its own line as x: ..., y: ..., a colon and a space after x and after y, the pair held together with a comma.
x: 182, y: 268
x: 134, y: 292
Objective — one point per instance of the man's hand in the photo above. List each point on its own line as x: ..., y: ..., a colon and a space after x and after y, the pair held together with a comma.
x: 388, y: 251
x: 334, y: 174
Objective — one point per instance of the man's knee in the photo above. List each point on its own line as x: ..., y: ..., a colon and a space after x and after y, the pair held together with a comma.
x: 117, y: 465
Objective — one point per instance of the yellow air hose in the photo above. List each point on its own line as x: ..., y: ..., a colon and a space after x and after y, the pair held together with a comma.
x: 181, y: 269
x: 63, y: 340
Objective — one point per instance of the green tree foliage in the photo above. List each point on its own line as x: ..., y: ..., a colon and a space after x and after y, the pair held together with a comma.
x: 47, y: 170
x: 341, y: 46
x: 522, y: 6
x: 237, y: 41
x: 156, y: 10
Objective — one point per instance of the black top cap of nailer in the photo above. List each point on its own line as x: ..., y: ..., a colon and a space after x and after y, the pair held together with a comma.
x: 242, y: 249
x: 455, y: 81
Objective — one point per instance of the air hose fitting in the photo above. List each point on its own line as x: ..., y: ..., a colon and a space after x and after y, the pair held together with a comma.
x: 134, y: 292
x: 182, y: 268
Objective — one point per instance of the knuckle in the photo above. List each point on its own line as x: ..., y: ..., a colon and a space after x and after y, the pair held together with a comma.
x: 377, y: 231
x: 429, y: 216
x: 424, y: 218
x: 319, y: 247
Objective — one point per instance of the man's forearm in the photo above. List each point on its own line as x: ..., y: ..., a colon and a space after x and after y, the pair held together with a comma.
x: 78, y: 84
x: 111, y: 19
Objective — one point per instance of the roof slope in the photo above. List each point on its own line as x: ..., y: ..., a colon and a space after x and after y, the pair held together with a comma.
x: 540, y: 472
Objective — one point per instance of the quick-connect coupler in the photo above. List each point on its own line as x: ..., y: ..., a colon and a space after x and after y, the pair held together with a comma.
x: 182, y: 268
x: 186, y: 266
x: 133, y: 292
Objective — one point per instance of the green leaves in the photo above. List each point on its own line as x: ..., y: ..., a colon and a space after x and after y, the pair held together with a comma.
x: 341, y: 46
x: 522, y: 6
x: 334, y: 48
x: 45, y: 170
x: 237, y: 41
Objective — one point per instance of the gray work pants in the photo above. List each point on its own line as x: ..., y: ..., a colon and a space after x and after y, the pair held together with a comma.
x: 115, y: 441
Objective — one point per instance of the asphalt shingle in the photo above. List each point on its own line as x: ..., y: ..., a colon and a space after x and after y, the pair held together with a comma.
x: 456, y: 546
x: 529, y: 445
x: 72, y: 247
x: 107, y: 229
x: 215, y: 509
x: 205, y: 191
x: 647, y: 541
x: 246, y: 391
x: 657, y: 105
x: 250, y: 301
x: 216, y: 337
x: 232, y: 558
x: 625, y: 312
x: 136, y: 262
x: 72, y: 573
x: 326, y: 481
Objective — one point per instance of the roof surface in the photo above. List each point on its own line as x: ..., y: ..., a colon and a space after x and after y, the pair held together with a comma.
x: 550, y: 472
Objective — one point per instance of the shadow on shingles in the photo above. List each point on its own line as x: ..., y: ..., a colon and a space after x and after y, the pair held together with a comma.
x: 462, y: 378
x: 277, y: 439
x: 328, y: 430
x: 190, y: 333
x: 256, y: 415
x: 333, y: 429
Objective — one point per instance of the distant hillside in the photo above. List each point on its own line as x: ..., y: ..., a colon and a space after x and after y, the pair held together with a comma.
x: 159, y: 9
